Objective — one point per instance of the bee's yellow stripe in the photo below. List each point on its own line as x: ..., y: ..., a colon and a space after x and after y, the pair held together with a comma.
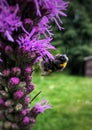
x: 63, y: 65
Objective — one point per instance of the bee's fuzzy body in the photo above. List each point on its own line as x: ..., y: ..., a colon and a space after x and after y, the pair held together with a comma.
x: 57, y: 64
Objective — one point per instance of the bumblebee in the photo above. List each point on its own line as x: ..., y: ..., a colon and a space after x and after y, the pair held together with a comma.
x: 57, y: 64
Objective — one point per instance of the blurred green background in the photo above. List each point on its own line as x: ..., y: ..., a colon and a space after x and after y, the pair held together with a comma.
x: 69, y: 92
x: 71, y: 100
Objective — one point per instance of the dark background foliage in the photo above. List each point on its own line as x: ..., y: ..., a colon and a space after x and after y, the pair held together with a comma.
x: 76, y: 38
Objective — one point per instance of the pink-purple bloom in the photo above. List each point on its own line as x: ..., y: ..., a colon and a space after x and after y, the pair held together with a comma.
x: 42, y: 106
x: 41, y: 46
x: 55, y: 9
x: 9, y: 21
x: 42, y: 28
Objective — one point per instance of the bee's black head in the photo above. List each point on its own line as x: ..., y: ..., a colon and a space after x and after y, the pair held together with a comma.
x: 61, y: 57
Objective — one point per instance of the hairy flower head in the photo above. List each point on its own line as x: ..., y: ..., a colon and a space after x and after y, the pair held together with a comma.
x: 14, y: 81
x: 40, y: 46
x: 42, y: 106
x: 9, y: 21
x: 55, y: 9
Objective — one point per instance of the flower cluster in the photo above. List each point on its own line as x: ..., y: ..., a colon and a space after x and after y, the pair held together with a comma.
x: 25, y: 37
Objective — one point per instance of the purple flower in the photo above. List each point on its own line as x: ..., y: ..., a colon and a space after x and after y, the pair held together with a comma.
x: 1, y: 101
x: 26, y: 120
x: 40, y: 46
x: 42, y: 28
x: 54, y: 8
x: 14, y: 81
x: 9, y: 21
x: 42, y: 106
x: 18, y: 94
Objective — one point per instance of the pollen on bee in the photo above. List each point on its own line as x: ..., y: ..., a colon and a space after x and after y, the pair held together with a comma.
x: 63, y: 65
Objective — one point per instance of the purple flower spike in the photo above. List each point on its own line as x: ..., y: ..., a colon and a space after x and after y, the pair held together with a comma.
x: 18, y: 94
x: 14, y: 81
x: 25, y: 38
x: 42, y: 106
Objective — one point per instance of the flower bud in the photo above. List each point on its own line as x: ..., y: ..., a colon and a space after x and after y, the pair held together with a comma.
x: 7, y: 125
x: 14, y: 81
x: 16, y: 71
x: 27, y: 100
x: 18, y: 107
x: 8, y: 50
x: 21, y: 51
x: 28, y: 70
x: 30, y: 87
x: 28, y: 79
x: 26, y: 120
x: 8, y: 103
x: 18, y: 94
x: 4, y: 93
x: 25, y: 111
x: 1, y: 61
x: 6, y: 73
x: 1, y: 102
x: 33, y: 55
x: 14, y: 126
